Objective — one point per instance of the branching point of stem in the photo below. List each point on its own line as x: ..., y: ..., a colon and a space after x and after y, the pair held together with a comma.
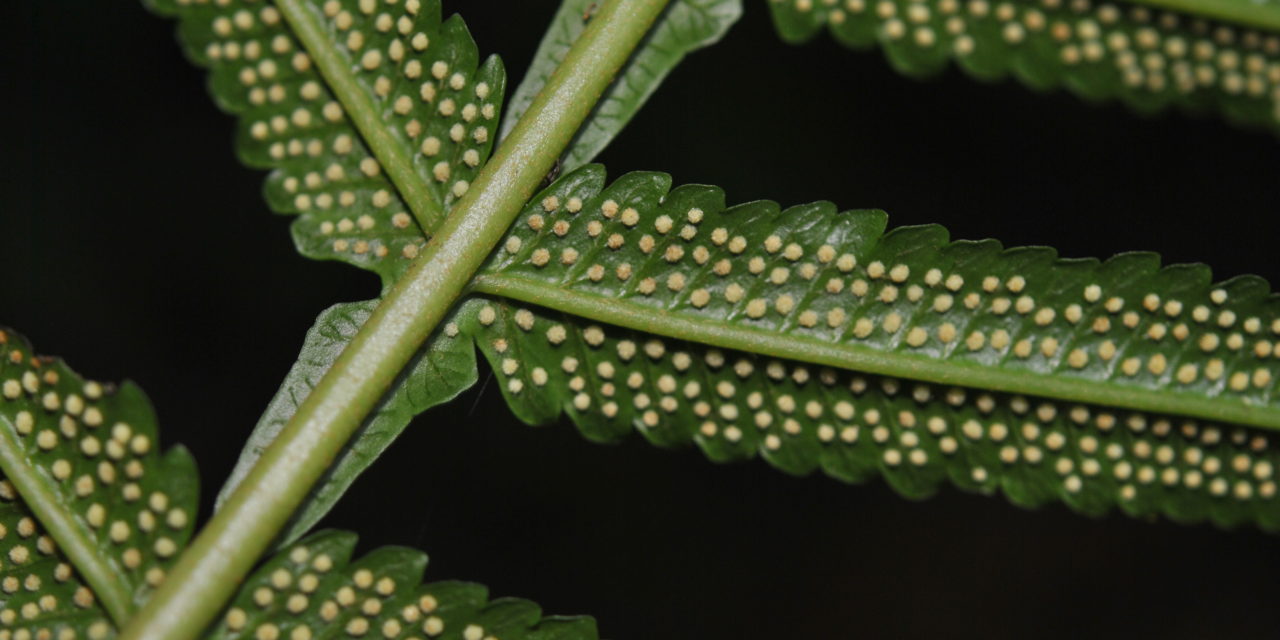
x: 210, y: 570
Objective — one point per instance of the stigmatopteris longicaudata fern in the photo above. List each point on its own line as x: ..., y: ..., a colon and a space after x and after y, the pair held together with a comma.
x: 817, y: 339
x: 92, y: 515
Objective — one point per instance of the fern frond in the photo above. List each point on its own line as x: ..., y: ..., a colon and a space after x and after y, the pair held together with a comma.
x: 84, y: 458
x: 685, y: 26
x: 1150, y: 58
x: 442, y: 369
x: 833, y: 288
x: 371, y: 153
x: 314, y: 590
x: 82, y: 474
x: 817, y: 340
x: 394, y: 128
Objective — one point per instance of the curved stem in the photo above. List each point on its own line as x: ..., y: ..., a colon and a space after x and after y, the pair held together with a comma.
x: 211, y: 569
x: 40, y: 495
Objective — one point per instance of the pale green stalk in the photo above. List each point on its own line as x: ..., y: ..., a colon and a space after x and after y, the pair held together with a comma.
x: 211, y: 569
x: 905, y: 365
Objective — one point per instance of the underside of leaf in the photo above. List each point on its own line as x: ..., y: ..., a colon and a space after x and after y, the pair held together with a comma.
x: 808, y: 335
x: 833, y: 288
x: 442, y: 369
x: 366, y: 197
x: 1147, y: 57
x: 84, y: 457
x: 41, y: 594
x: 854, y: 427
x: 314, y: 590
x: 751, y: 329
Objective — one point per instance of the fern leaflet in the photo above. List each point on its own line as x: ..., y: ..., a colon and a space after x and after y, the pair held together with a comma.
x: 1147, y: 57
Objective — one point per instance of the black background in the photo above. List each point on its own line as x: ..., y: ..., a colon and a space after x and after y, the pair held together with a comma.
x: 134, y: 244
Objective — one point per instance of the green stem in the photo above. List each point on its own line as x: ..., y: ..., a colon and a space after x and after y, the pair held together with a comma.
x: 211, y: 569
x: 41, y: 495
x: 359, y: 107
x: 1242, y: 13
x: 845, y: 356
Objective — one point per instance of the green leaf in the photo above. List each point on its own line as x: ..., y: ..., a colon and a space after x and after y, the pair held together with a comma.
x: 84, y: 457
x: 370, y: 116
x: 313, y: 590
x: 835, y: 289
x: 374, y: 119
x: 444, y: 367
x: 817, y: 340
x: 1149, y: 58
x: 41, y: 592
x: 685, y: 26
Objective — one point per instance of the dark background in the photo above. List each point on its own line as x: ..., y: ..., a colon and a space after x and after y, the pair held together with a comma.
x: 134, y: 243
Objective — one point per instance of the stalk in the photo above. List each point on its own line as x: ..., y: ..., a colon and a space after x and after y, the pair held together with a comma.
x: 211, y: 569
x: 718, y: 333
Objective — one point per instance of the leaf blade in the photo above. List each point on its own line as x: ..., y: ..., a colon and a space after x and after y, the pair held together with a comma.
x: 649, y: 333
x: 409, y: 123
x: 1150, y: 59
x: 831, y: 288
x: 314, y: 589
x: 855, y: 427
x: 443, y: 368
x: 60, y: 601
x: 78, y: 543
x: 84, y: 459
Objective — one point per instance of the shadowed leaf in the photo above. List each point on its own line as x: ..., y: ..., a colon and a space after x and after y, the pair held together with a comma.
x: 313, y: 590
x: 1150, y: 59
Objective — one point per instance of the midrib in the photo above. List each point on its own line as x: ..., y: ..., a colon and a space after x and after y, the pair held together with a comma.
x: 908, y: 366
x: 362, y: 111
